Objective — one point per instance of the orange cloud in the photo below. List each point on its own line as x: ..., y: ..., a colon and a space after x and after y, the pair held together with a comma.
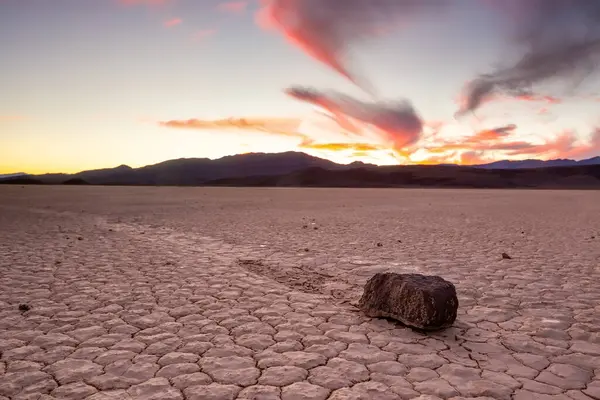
x: 233, y: 6
x: 565, y: 145
x: 468, y: 151
x: 287, y: 127
x: 396, y: 123
x: 172, y: 22
x: 492, y: 134
x: 435, y: 160
x: 356, y: 147
x: 277, y: 126
x: 487, y: 139
x: 473, y: 158
x: 472, y: 151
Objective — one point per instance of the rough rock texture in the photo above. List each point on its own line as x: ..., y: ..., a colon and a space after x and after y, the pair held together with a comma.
x: 418, y: 301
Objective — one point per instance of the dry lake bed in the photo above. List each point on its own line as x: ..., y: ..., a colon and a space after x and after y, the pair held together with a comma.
x: 205, y: 293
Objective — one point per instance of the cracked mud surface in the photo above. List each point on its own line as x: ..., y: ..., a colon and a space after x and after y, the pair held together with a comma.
x: 194, y: 293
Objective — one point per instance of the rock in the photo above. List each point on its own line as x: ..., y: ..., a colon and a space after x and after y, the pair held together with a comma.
x: 24, y: 307
x: 506, y: 256
x: 418, y: 301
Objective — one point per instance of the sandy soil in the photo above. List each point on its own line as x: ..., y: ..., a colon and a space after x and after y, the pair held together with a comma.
x: 198, y: 293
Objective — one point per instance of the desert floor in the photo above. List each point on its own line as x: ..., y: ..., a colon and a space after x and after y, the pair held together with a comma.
x: 205, y: 293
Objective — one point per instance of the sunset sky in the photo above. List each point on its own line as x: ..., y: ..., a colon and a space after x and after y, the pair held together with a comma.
x: 98, y: 83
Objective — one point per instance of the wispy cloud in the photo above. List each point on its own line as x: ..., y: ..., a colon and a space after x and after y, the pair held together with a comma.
x: 324, y: 30
x: 172, y: 22
x: 561, y: 40
x: 275, y: 126
x: 233, y: 6
x: 395, y: 123
x: 565, y: 145
x: 492, y: 134
x: 493, y: 98
x: 145, y: 2
x: 203, y: 34
x: 356, y: 147
x: 284, y: 127
x: 475, y: 149
x: 473, y: 158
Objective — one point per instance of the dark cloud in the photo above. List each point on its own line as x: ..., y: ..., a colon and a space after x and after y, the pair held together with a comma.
x: 561, y: 39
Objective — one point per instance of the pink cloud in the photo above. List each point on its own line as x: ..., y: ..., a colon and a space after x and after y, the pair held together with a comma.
x: 273, y: 126
x: 172, y: 22
x: 565, y: 145
x: 203, y: 34
x: 397, y: 123
x: 233, y: 6
x: 144, y: 2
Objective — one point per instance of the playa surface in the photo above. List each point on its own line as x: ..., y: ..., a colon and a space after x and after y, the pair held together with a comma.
x: 205, y: 293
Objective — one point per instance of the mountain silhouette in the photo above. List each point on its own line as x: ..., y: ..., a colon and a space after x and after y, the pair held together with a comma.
x: 196, y: 171
x: 507, y: 164
x: 571, y: 177
x: 300, y: 169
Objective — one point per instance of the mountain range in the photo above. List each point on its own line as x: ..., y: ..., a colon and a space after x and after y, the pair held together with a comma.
x: 300, y: 169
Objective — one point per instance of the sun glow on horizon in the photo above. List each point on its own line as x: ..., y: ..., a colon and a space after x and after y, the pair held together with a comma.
x: 92, y: 85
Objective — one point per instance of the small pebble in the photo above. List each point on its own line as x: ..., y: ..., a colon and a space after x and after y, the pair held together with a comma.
x: 24, y: 307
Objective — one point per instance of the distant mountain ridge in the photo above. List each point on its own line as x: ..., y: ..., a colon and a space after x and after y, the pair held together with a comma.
x: 300, y: 169
x: 576, y: 177
x: 196, y: 171
x: 532, y: 163
x: 16, y: 174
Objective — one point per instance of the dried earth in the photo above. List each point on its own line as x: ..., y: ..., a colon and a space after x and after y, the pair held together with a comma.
x: 199, y: 293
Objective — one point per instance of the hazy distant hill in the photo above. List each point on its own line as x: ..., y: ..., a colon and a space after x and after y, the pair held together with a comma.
x: 9, y: 176
x: 580, y: 177
x: 299, y: 169
x: 506, y: 164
